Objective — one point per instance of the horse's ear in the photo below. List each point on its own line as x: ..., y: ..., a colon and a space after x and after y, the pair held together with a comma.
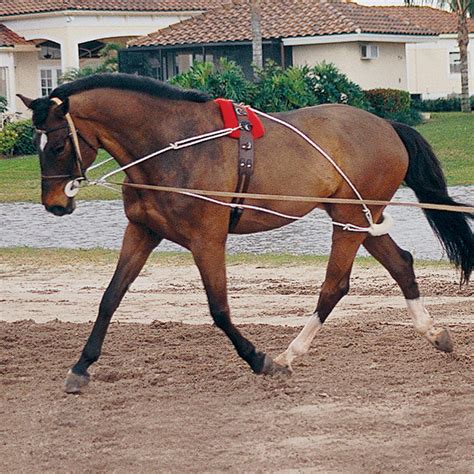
x: 26, y: 100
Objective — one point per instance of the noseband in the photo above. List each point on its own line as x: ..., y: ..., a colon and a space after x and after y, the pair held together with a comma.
x: 73, y: 135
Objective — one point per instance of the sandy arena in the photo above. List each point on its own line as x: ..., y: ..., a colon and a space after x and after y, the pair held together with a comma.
x: 170, y: 395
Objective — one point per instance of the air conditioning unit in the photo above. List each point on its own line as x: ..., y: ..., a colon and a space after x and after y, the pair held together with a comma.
x: 369, y: 51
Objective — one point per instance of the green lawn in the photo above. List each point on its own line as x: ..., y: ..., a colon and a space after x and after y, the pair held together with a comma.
x: 20, y: 180
x: 451, y: 135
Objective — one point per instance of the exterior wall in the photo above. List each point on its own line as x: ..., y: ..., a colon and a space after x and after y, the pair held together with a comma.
x: 388, y: 70
x: 429, y: 72
x: 27, y: 78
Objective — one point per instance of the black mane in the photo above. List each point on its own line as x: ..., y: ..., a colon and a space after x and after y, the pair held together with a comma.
x: 129, y: 82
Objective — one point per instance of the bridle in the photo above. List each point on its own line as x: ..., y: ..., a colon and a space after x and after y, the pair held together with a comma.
x: 74, y: 135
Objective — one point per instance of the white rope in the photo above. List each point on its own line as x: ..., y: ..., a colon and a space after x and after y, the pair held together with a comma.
x: 174, y: 146
x: 98, y: 165
x: 367, y: 212
x: 243, y: 206
x: 373, y: 229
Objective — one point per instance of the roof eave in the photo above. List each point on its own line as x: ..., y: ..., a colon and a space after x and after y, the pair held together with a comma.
x: 351, y: 37
x: 83, y: 12
x: 199, y: 45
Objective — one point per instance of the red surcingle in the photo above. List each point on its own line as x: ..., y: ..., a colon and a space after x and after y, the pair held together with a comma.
x: 230, y: 119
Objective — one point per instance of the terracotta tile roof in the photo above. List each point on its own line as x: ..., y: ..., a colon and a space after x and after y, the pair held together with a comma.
x: 19, y: 7
x: 283, y: 19
x: 10, y: 38
x: 437, y: 20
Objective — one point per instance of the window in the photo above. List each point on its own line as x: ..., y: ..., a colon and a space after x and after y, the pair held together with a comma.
x: 4, y: 82
x: 49, y: 80
x: 369, y: 51
x: 454, y: 62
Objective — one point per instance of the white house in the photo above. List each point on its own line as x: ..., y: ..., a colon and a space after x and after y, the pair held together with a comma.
x: 409, y: 48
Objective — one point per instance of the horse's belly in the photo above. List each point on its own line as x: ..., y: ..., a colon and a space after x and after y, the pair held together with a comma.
x: 252, y: 221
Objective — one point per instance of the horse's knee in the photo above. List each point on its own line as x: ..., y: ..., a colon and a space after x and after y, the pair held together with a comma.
x: 407, y: 257
x: 221, y: 317
x: 344, y: 288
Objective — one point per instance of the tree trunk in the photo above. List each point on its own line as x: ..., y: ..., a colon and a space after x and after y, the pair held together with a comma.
x: 256, y: 19
x: 463, y: 42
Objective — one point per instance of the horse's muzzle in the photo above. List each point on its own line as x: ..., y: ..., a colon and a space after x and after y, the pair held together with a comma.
x: 61, y: 210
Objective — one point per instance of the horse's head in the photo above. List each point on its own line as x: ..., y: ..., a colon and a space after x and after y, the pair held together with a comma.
x: 65, y: 152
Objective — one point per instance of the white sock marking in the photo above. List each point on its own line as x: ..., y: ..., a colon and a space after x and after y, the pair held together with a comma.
x: 421, y: 318
x: 300, y: 345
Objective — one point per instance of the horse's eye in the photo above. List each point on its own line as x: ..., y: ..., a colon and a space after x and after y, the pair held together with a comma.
x: 58, y: 149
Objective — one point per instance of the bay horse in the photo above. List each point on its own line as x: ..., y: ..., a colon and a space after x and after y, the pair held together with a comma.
x: 131, y: 116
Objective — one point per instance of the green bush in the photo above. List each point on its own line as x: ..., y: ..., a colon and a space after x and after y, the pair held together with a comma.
x: 387, y: 101
x: 8, y: 139
x: 279, y: 89
x: 450, y: 104
x: 3, y: 104
x: 330, y: 86
x: 226, y: 80
x: 393, y: 104
x: 16, y: 138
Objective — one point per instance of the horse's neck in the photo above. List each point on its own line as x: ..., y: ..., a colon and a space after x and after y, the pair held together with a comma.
x: 149, y: 125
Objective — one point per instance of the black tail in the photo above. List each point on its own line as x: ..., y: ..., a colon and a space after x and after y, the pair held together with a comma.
x: 426, y: 178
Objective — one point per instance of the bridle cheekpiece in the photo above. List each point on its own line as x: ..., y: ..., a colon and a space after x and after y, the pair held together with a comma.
x: 72, y: 187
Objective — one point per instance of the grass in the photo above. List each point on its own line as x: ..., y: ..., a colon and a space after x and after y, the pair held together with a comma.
x: 20, y: 180
x: 451, y: 135
x: 19, y: 256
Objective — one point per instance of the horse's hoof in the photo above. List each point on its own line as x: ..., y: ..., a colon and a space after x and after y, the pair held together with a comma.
x: 441, y: 339
x: 74, y: 382
x: 270, y: 367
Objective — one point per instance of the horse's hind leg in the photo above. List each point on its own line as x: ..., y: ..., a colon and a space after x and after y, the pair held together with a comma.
x: 336, y: 284
x: 137, y: 245
x: 399, y: 264
x: 210, y: 259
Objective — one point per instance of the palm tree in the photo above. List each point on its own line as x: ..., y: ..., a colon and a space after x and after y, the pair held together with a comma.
x: 256, y: 20
x: 463, y: 9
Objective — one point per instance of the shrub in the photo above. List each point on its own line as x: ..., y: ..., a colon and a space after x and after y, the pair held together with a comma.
x: 226, y: 80
x: 16, y: 138
x: 330, y: 86
x: 449, y: 104
x: 8, y: 139
x: 279, y: 89
x: 3, y: 104
x: 393, y: 104
x: 387, y: 101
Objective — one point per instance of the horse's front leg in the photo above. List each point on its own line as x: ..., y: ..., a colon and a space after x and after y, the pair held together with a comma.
x: 137, y: 245
x: 210, y: 259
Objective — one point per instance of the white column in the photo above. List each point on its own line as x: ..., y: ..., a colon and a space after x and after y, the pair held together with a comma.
x: 11, y: 84
x: 69, y: 55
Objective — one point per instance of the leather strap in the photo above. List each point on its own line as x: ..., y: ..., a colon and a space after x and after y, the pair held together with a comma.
x: 245, y: 162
